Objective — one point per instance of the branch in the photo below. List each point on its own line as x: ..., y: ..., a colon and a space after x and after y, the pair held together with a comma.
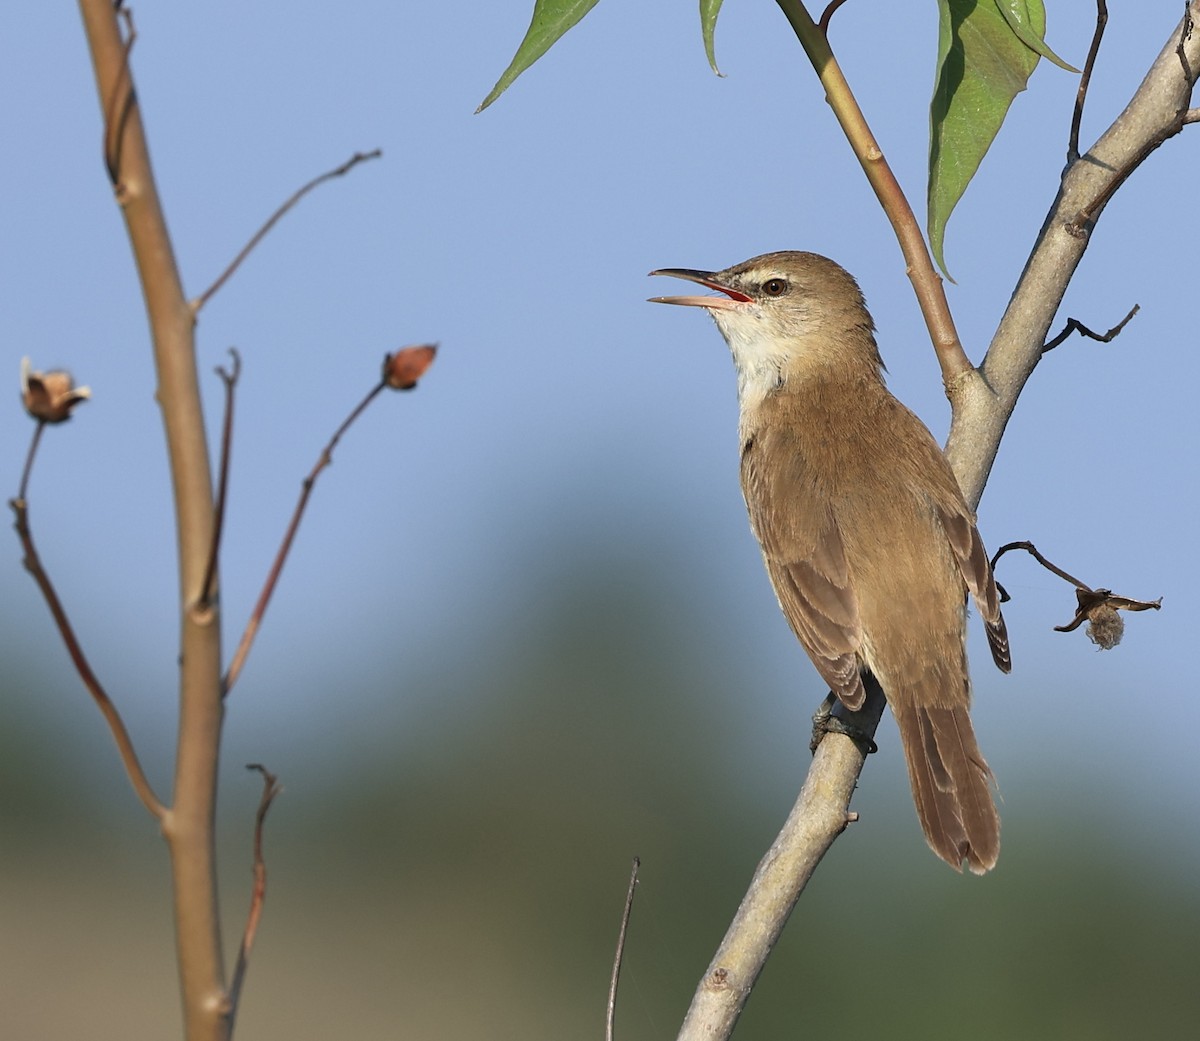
x: 611, y: 1016
x: 1085, y: 80
x: 271, y: 788
x: 820, y: 815
x: 401, y: 371
x: 1075, y: 326
x: 927, y: 284
x: 229, y: 377
x: 129, y: 758
x: 188, y: 824
x: 827, y: 16
x: 982, y: 407
x: 1153, y: 114
x: 264, y: 597
x: 258, y: 236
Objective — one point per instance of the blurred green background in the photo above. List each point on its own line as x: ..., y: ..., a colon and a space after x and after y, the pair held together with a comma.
x: 460, y: 872
x: 525, y: 634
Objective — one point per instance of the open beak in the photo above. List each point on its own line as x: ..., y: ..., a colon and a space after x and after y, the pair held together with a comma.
x: 730, y: 300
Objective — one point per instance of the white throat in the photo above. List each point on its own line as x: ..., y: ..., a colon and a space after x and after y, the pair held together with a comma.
x: 759, y: 358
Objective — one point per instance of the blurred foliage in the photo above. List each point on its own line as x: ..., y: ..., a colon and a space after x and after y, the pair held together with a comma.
x: 461, y: 875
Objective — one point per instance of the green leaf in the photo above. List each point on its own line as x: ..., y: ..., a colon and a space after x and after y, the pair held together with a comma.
x: 551, y: 18
x: 987, y: 50
x: 1016, y: 13
x: 709, y: 9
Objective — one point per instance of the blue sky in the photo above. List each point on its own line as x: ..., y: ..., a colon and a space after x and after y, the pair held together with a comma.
x: 563, y: 410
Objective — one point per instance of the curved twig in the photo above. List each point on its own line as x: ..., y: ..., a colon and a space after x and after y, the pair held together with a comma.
x: 1085, y: 80
x: 271, y: 788
x: 129, y: 757
x: 1074, y: 325
x: 258, y: 236
x: 827, y: 15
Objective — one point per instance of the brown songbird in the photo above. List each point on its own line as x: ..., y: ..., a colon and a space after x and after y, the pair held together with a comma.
x: 866, y: 536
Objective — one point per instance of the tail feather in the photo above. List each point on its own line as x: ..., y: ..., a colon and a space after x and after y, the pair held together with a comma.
x: 951, y: 786
x: 997, y: 635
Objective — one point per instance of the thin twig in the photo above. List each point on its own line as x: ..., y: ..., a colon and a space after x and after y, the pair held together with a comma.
x: 1031, y: 549
x: 610, y: 1018
x: 1085, y: 79
x: 264, y: 598
x: 271, y: 788
x: 346, y: 167
x: 120, y: 104
x: 29, y: 457
x: 33, y: 564
x: 827, y: 14
x: 229, y: 377
x: 1087, y: 214
x: 1075, y: 326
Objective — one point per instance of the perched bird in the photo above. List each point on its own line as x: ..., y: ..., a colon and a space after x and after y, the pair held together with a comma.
x: 865, y: 533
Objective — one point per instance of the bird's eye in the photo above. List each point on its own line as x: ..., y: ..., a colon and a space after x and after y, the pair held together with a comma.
x: 775, y: 286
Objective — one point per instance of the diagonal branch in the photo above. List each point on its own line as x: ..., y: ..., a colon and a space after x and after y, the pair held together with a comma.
x: 982, y: 407
x: 820, y: 815
x: 258, y: 236
x: 129, y: 758
x: 927, y: 284
x: 264, y: 597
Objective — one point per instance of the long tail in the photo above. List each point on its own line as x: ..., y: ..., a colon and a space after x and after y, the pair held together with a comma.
x: 951, y: 785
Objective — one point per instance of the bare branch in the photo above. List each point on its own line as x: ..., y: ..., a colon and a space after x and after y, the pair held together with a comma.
x: 129, y: 758
x: 610, y: 1017
x: 271, y: 788
x: 1075, y: 326
x: 1085, y: 80
x: 188, y: 826
x: 819, y: 816
x: 346, y: 167
x: 229, y: 378
x: 264, y: 598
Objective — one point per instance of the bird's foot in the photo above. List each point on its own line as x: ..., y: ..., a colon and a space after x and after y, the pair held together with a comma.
x: 825, y: 722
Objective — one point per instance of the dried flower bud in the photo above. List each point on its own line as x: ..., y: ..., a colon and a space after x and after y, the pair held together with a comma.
x: 402, y: 369
x: 49, y: 397
x: 1105, y: 626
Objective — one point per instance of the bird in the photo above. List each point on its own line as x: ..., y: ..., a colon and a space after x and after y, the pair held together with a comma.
x: 867, y: 539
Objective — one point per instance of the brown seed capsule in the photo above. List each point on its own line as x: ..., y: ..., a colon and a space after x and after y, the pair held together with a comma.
x: 402, y: 369
x: 49, y: 397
